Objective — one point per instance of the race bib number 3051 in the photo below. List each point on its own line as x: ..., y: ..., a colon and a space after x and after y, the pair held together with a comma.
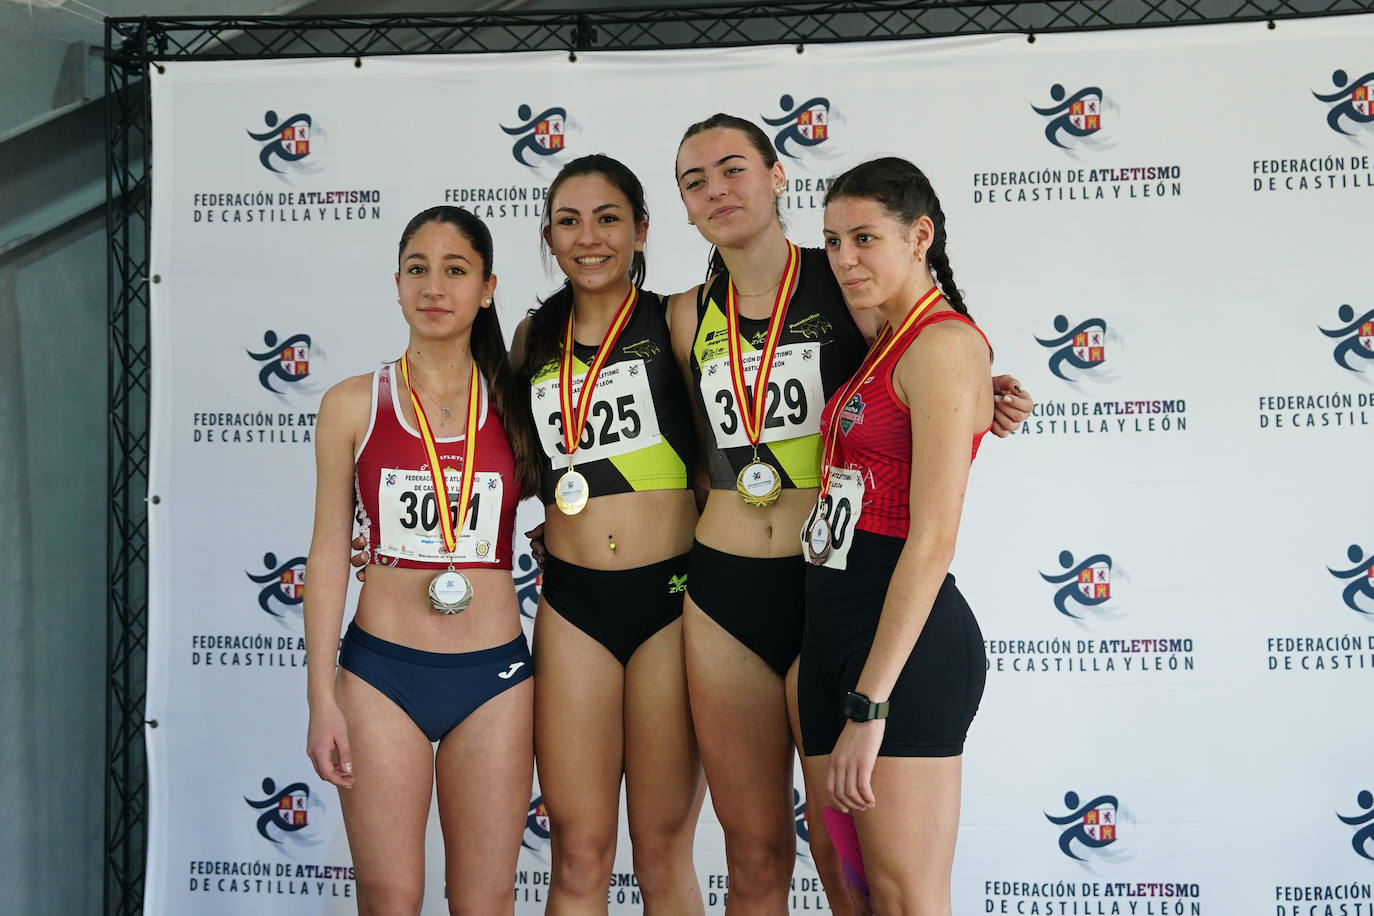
x: 843, y: 502
x: 795, y: 396
x: 620, y: 420
x: 410, y: 516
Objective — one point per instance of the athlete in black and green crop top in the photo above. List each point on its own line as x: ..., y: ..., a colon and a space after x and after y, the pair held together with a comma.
x: 818, y: 351
x: 611, y: 701
x: 639, y: 434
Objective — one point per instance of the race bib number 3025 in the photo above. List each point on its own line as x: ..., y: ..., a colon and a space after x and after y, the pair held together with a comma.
x: 794, y: 400
x: 620, y: 420
x: 410, y: 516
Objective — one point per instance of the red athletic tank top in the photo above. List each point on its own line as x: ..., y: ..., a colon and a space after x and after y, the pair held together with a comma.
x: 395, y: 492
x: 875, y: 438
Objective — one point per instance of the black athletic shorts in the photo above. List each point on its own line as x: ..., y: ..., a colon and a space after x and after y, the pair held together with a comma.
x: 619, y: 608
x: 938, y: 691
x: 757, y: 600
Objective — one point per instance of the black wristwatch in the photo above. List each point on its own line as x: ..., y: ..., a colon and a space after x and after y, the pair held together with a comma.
x: 858, y: 708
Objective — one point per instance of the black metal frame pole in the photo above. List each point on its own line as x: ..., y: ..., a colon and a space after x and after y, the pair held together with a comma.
x: 128, y: 146
x: 134, y: 45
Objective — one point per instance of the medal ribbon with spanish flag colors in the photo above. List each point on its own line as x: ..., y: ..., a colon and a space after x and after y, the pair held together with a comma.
x: 887, y: 339
x: 751, y: 409
x: 575, y: 413
x: 436, y: 473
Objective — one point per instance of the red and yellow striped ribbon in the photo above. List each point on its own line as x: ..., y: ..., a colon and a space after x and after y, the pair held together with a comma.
x: 575, y: 413
x: 887, y: 339
x: 751, y: 409
x: 436, y: 473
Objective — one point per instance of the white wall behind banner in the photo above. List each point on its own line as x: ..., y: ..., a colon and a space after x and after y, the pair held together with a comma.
x: 1166, y: 235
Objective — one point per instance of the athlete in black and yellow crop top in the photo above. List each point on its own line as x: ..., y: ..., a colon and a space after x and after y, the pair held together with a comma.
x: 818, y: 351
x: 619, y: 517
x: 638, y: 434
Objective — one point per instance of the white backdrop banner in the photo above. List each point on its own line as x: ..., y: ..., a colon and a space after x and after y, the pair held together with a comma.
x: 1172, y: 563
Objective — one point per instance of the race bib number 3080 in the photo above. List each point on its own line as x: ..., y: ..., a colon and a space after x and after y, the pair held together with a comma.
x: 621, y: 418
x: 410, y: 516
x: 794, y: 400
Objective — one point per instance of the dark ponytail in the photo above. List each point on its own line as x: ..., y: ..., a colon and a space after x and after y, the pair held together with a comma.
x: 715, y: 264
x: 905, y: 193
x: 489, y: 347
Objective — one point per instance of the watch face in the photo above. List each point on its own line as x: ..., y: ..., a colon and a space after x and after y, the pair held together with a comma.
x: 856, y: 707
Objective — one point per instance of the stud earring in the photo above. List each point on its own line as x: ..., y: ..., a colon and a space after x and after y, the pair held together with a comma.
x: 777, y: 192
x: 689, y: 221
x: 491, y: 302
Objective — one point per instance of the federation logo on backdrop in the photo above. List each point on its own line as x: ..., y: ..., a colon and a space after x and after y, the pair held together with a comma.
x: 285, y: 369
x: 1363, y: 840
x: 1084, y: 352
x: 1080, y: 126
x: 529, y: 579
x: 1090, y: 828
x: 1358, y: 595
x: 286, y: 145
x: 802, y: 127
x: 1329, y: 408
x: 1079, y: 352
x: 1356, y: 338
x: 804, y: 131
x: 1085, y: 586
x: 802, y: 824
x: 1321, y: 648
x: 539, y: 136
x: 291, y: 150
x: 537, y: 828
x: 1088, y: 352
x: 286, y: 361
x: 1305, y: 167
x: 286, y: 814
x: 283, y: 585
x: 1076, y: 121
x: 1351, y: 110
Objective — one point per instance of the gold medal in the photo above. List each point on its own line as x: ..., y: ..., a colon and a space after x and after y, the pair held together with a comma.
x: 450, y: 592
x: 571, y: 493
x: 759, y: 483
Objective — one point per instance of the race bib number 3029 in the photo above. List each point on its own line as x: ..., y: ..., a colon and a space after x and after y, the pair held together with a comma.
x: 621, y: 418
x: 794, y: 400
x: 410, y: 516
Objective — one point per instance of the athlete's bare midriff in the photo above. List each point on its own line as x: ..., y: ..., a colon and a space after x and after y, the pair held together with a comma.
x: 394, y: 605
x: 730, y: 525
x: 645, y: 527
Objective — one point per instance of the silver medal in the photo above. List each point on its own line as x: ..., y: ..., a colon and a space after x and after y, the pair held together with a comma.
x: 450, y: 592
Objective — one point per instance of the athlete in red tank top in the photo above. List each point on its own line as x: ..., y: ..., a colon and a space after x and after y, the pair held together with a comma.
x: 875, y: 437
x: 892, y: 663
x: 396, y: 496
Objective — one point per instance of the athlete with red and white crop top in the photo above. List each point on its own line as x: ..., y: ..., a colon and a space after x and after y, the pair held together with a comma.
x: 429, y: 455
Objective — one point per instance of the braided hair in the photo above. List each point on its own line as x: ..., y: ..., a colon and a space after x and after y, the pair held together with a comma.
x: 905, y: 193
